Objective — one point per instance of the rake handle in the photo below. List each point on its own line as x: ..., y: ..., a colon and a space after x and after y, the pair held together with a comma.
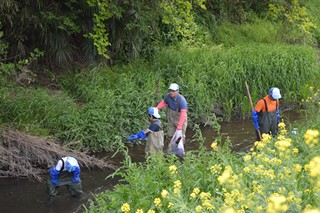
x: 247, y: 87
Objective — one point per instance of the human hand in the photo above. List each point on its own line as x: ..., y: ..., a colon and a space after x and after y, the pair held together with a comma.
x: 54, y: 182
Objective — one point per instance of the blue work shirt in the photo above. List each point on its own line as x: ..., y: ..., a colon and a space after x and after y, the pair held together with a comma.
x: 177, y: 103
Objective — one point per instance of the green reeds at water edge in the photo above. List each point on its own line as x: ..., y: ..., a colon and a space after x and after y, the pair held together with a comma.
x: 93, y: 108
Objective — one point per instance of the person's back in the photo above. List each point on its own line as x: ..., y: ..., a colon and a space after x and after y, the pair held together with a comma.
x: 65, y: 173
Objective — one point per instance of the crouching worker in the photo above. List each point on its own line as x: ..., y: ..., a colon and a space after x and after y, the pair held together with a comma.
x: 154, y: 134
x: 65, y: 173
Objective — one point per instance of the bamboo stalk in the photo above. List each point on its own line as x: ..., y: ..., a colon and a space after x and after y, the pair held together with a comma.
x: 247, y: 87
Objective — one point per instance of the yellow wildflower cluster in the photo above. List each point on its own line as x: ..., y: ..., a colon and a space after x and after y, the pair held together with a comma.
x: 216, y: 169
x: 283, y: 143
x: 235, y: 196
x: 125, y: 208
x: 277, y: 203
x: 226, y: 175
x: 194, y: 193
x: 157, y: 202
x: 177, y: 187
x: 214, y: 146
x: 164, y: 193
x: 314, y: 167
x: 139, y: 211
x: 311, y: 137
x: 173, y: 169
x: 247, y: 158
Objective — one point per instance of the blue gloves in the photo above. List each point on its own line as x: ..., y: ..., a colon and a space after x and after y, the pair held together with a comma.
x: 255, y: 119
x: 278, y: 116
x: 137, y: 136
x: 54, y: 175
x: 76, y: 175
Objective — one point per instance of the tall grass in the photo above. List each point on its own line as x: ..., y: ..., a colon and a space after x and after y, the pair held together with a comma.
x: 93, y: 108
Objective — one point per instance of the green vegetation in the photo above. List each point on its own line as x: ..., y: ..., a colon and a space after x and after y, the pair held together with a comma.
x: 96, y: 107
x: 210, y: 48
x: 279, y: 175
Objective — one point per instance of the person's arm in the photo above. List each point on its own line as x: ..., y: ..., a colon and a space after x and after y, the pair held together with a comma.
x: 76, y: 175
x: 183, y: 115
x: 54, y: 173
x: 161, y: 105
x: 147, y: 131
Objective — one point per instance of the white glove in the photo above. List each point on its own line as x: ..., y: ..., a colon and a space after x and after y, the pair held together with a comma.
x: 176, y: 136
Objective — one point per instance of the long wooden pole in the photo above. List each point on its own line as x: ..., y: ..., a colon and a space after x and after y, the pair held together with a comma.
x: 252, y: 105
x: 157, y: 94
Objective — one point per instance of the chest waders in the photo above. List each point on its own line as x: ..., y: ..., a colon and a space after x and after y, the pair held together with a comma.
x: 173, y: 120
x: 155, y: 140
x: 268, y: 121
x: 65, y: 179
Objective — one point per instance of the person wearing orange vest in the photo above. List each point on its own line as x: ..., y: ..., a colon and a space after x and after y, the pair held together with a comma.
x: 266, y: 114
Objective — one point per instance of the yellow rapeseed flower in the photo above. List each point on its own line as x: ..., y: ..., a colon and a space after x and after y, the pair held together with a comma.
x: 295, y: 150
x: 164, y: 193
x: 173, y: 169
x: 139, y: 211
x: 246, y: 170
x: 193, y: 195
x: 247, y: 158
x: 177, y: 184
x: 216, y: 169
x: 196, y: 191
x: 205, y: 195
x: 311, y: 210
x: 198, y: 209
x: 151, y: 211
x: 157, y: 202
x: 297, y: 168
x: 276, y: 203
x: 214, y: 145
x: 311, y: 137
x: 125, y: 208
x: 314, y: 165
x: 229, y: 210
x: 170, y: 205
x: 282, y: 125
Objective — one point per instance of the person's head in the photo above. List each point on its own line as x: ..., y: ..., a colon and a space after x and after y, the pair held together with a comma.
x: 71, y: 164
x: 153, y: 113
x: 173, y: 90
x: 274, y: 93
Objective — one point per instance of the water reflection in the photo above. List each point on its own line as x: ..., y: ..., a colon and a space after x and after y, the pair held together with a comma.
x: 25, y: 196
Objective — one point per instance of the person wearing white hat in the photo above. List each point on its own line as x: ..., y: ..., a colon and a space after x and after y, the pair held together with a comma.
x: 65, y: 173
x: 154, y: 134
x: 177, y: 119
x: 266, y: 113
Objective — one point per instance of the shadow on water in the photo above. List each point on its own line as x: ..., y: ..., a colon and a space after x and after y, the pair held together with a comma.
x: 25, y: 196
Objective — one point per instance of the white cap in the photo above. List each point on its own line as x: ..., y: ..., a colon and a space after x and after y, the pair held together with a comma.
x: 174, y: 87
x: 275, y: 93
x: 154, y: 111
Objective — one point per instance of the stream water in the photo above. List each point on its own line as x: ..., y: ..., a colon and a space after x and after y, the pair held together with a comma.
x: 25, y: 196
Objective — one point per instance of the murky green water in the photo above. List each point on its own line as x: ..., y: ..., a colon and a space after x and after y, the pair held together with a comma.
x: 25, y: 196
